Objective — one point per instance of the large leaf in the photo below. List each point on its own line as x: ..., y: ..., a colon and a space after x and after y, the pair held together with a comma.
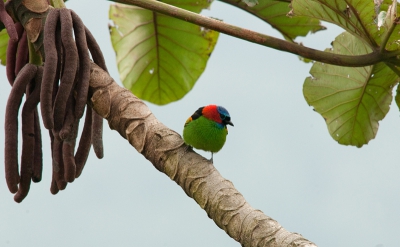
x: 159, y: 57
x: 3, y: 46
x: 275, y: 13
x: 358, y: 17
x: 351, y: 100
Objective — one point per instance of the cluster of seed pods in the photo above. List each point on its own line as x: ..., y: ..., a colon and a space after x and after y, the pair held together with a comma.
x: 61, y: 86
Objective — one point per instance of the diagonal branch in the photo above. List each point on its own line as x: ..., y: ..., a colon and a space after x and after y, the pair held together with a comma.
x: 262, y: 39
x: 197, y: 176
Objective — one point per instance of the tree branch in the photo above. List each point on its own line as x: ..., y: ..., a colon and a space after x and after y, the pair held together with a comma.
x: 258, y: 38
x: 196, y: 175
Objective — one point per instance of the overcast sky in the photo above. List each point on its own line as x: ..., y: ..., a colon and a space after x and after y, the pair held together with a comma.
x: 279, y: 155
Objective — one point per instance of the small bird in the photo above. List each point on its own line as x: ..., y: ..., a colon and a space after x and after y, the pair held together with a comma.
x: 206, y: 128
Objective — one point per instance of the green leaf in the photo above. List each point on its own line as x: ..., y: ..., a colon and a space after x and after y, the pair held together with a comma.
x: 275, y: 13
x: 3, y: 46
x: 351, y: 100
x: 356, y: 16
x: 159, y: 57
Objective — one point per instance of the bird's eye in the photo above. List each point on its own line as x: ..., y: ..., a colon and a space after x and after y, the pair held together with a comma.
x: 222, y: 116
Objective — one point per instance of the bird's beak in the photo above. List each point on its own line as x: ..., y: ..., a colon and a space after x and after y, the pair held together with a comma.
x: 229, y: 122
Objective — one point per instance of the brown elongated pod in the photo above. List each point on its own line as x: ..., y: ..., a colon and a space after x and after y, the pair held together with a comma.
x: 97, y: 126
x: 58, y: 165
x: 82, y: 86
x: 11, y: 125
x: 55, y: 168
x: 69, y: 161
x: 38, y: 153
x: 70, y: 66
x: 28, y: 145
x: 12, y: 54
x: 69, y: 120
x: 28, y: 141
x: 10, y: 61
x: 97, y: 135
x: 22, y: 53
x: 85, y: 142
x: 68, y: 135
x: 95, y: 51
x: 53, y: 187
x: 59, y: 67
x: 50, y: 68
x: 68, y: 150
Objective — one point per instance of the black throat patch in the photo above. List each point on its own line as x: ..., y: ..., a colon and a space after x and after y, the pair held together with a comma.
x: 198, y: 113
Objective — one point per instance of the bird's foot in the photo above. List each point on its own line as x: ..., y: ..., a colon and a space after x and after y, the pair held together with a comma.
x: 212, y: 158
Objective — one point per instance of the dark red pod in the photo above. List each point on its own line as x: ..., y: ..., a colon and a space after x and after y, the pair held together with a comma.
x: 38, y: 153
x: 58, y: 164
x: 70, y: 66
x: 82, y: 86
x: 97, y: 135
x: 11, y: 125
x: 68, y: 134
x: 68, y: 154
x: 50, y: 74
x: 28, y: 141
x: 85, y: 142
x: 95, y: 50
x: 22, y: 53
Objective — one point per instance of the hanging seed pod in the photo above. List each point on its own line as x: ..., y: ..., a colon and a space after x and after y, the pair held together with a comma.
x: 69, y: 68
x: 38, y: 154
x: 22, y: 53
x: 84, y: 144
x: 11, y: 125
x: 50, y: 68
x: 28, y: 141
x: 82, y: 87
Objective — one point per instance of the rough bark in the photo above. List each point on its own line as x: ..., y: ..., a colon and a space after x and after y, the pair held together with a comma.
x: 197, y: 176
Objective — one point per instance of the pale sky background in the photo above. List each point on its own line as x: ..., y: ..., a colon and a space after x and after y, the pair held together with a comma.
x: 279, y: 156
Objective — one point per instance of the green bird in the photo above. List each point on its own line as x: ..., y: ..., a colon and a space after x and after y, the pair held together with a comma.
x: 206, y: 128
